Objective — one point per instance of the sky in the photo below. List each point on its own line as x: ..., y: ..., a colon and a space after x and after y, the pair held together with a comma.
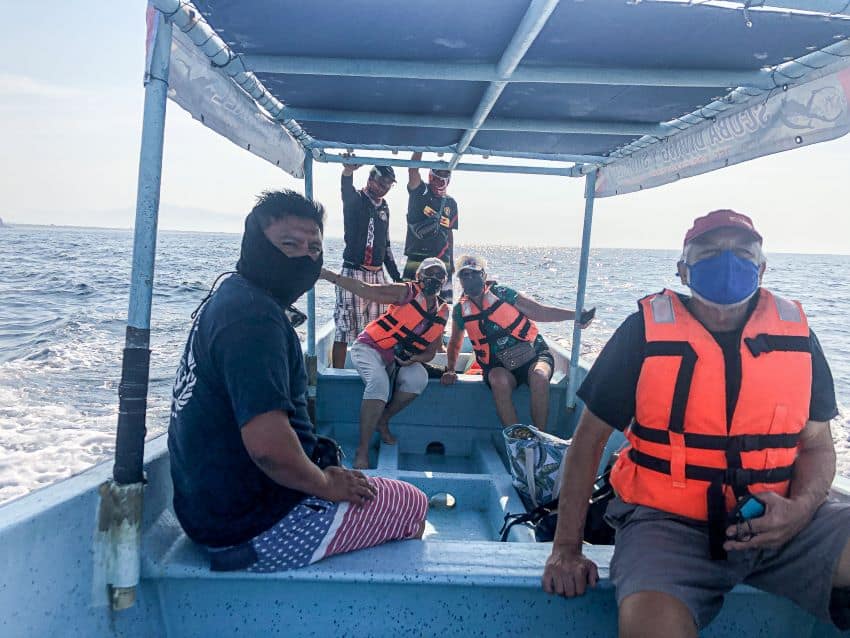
x: 71, y: 100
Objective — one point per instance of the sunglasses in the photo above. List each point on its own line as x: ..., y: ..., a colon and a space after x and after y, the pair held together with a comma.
x: 295, y: 316
x: 470, y: 274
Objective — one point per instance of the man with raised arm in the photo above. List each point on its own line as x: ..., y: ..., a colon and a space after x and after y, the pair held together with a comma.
x: 390, y: 351
x: 251, y: 482
x: 507, y: 344
x: 725, y: 397
x: 431, y: 220
x: 366, y: 217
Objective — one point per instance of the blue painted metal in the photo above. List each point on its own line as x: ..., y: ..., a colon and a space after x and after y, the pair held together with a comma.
x: 148, y: 189
x: 532, y: 22
x: 575, y: 355
x: 459, y: 71
x: 553, y: 157
x: 311, y: 294
x: 590, y: 127
x: 482, y: 168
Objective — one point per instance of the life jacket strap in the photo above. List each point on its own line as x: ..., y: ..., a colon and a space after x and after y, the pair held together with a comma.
x: 764, y: 343
x: 682, y: 390
x: 738, y: 442
x: 741, y: 477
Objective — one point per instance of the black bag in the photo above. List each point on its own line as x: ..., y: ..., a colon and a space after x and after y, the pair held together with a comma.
x: 544, y: 519
x: 327, y: 452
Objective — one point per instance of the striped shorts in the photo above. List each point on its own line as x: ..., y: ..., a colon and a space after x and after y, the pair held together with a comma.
x: 316, y: 528
x: 352, y: 313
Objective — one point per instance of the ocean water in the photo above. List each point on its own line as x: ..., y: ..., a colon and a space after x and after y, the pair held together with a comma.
x: 63, y: 306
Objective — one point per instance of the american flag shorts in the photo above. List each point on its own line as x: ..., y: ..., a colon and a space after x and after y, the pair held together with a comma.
x: 315, y: 528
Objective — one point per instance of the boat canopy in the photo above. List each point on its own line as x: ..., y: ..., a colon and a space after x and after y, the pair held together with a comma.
x: 644, y: 91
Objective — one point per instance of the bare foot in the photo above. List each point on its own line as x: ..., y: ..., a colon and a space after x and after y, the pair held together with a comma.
x: 361, y: 461
x: 386, y: 436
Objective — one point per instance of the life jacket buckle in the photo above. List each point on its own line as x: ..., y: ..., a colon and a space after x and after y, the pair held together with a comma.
x: 758, y: 345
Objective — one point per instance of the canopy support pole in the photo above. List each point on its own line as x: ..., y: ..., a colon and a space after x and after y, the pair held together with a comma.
x: 311, y: 294
x: 589, y: 197
x: 120, y: 513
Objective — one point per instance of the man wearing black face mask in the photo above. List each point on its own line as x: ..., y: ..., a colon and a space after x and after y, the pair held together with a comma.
x: 725, y: 397
x: 240, y: 440
x: 508, y: 347
x: 394, y: 346
x: 431, y: 222
x: 366, y: 217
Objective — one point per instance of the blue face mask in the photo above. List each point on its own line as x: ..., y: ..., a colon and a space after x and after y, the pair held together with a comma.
x: 724, y: 279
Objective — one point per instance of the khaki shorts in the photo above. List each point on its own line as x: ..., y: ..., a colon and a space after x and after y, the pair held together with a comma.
x: 657, y: 551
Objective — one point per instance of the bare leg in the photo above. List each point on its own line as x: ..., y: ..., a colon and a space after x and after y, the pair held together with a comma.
x: 648, y: 614
x: 503, y: 384
x: 370, y: 413
x: 399, y: 401
x: 538, y: 385
x: 338, y: 354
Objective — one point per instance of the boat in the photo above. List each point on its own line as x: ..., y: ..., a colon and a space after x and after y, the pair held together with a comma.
x: 625, y: 94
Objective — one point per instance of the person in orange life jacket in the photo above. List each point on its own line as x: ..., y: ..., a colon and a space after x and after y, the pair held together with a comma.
x: 367, y: 252
x: 431, y: 221
x: 723, y: 395
x: 507, y: 344
x: 394, y: 346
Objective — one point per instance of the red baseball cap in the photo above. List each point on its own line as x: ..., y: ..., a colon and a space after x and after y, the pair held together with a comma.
x: 724, y: 218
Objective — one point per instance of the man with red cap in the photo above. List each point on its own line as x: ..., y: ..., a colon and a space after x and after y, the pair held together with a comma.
x: 725, y: 397
x: 431, y: 220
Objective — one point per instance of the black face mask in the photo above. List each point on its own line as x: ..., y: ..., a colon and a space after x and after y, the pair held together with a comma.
x: 473, y: 285
x: 431, y: 285
x: 261, y: 263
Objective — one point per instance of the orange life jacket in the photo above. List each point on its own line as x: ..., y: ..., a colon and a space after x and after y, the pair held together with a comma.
x: 680, y: 441
x: 500, y: 312
x: 396, y: 326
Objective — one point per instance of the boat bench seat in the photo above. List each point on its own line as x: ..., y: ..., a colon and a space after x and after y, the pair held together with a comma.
x: 467, y: 403
x: 446, y: 588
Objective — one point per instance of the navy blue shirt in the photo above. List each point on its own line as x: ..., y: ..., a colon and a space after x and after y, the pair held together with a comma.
x: 242, y: 359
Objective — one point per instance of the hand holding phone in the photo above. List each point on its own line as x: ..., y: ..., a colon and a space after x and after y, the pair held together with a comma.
x: 748, y: 507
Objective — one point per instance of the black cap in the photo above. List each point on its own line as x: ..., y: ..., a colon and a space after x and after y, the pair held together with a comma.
x: 383, y: 171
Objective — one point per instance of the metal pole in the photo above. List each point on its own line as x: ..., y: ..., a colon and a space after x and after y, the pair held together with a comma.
x: 589, y: 188
x: 311, y: 294
x: 120, y: 512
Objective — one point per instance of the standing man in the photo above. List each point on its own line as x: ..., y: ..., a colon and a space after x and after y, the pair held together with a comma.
x: 726, y: 398
x: 431, y: 218
x: 366, y: 218
x: 251, y: 484
x: 507, y: 344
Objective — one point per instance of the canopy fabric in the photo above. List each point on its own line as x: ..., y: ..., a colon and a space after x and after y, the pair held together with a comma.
x: 603, y: 83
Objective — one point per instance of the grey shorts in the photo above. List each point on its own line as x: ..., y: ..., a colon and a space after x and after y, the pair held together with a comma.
x: 656, y: 551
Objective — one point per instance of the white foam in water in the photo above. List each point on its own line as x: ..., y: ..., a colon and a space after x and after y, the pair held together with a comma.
x: 62, y: 328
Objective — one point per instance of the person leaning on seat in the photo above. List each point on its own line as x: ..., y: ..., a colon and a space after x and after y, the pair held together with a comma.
x: 431, y: 222
x: 507, y: 345
x: 241, y: 444
x: 366, y: 218
x: 390, y: 351
x: 723, y: 395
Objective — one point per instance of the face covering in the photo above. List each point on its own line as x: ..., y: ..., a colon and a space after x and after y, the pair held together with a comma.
x: 473, y: 285
x: 431, y: 285
x: 261, y: 263
x: 724, y: 279
x: 438, y: 183
x: 376, y: 189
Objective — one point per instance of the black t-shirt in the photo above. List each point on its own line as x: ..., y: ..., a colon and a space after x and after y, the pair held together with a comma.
x: 366, y: 229
x: 242, y: 359
x: 610, y: 387
x: 436, y: 238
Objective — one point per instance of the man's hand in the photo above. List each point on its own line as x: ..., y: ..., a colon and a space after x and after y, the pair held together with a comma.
x: 449, y: 377
x: 342, y: 484
x: 568, y: 573
x: 349, y: 168
x: 782, y: 520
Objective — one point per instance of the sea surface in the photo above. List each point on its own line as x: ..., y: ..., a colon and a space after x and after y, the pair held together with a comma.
x: 63, y: 307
